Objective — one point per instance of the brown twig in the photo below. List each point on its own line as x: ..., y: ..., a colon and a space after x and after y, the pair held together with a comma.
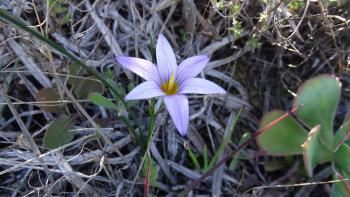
x: 234, y: 152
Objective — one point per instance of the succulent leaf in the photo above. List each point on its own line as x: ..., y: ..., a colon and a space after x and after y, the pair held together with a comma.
x: 340, y: 188
x: 283, y: 138
x: 342, y: 135
x: 342, y: 170
x: 342, y: 160
x: 315, y: 152
x: 317, y: 102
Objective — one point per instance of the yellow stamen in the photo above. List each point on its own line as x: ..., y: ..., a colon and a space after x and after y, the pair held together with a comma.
x: 171, y: 86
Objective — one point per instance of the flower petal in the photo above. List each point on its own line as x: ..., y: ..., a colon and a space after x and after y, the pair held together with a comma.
x: 166, y: 60
x: 200, y: 86
x: 191, y: 67
x: 145, y: 90
x: 141, y: 67
x: 177, y: 106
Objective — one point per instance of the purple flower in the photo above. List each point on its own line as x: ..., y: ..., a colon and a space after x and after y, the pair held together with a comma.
x: 170, y: 81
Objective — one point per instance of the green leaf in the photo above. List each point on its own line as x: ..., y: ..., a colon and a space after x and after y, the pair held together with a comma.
x: 149, y: 165
x: 8, y: 18
x: 67, y: 17
x: 73, y: 70
x: 216, y: 155
x: 48, y: 96
x: 240, y: 154
x: 194, y: 159
x: 315, y: 152
x: 283, y: 138
x: 227, y: 137
x: 275, y: 165
x: 82, y: 87
x: 58, y: 133
x: 86, y: 86
x: 345, y: 122
x: 342, y: 170
x: 110, y: 74
x: 100, y: 100
x: 340, y: 189
x: 342, y: 135
x: 342, y: 159
x: 116, y: 86
x: 317, y: 103
x: 130, y: 86
x: 205, y: 158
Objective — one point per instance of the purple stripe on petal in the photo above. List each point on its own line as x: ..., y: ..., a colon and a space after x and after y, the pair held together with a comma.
x: 177, y: 106
x: 166, y: 60
x: 191, y: 67
x: 200, y: 86
x: 141, y: 67
x: 145, y: 90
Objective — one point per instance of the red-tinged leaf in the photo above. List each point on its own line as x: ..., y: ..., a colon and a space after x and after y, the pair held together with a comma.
x: 284, y: 137
x: 150, y: 172
x: 147, y: 177
x: 209, y: 172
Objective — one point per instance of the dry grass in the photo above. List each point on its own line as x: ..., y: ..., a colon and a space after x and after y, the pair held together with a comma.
x: 260, y: 64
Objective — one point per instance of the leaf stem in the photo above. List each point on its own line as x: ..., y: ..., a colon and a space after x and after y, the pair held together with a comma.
x: 233, y: 153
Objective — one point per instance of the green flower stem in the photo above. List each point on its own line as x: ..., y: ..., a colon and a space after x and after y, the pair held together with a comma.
x: 153, y: 116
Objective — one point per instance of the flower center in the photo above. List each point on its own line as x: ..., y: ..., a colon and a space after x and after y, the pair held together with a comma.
x: 171, y: 86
